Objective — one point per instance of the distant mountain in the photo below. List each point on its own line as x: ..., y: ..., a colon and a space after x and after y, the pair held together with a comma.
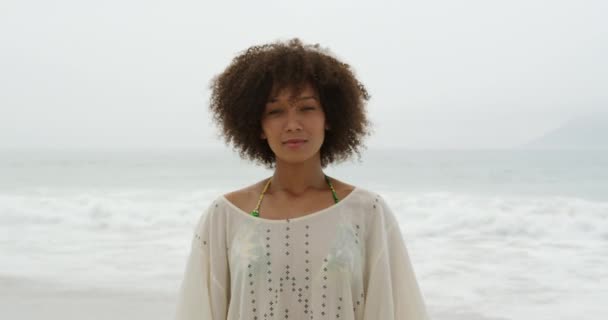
x: 586, y: 132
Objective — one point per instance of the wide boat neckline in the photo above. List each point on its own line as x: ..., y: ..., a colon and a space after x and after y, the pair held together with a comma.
x: 301, y: 218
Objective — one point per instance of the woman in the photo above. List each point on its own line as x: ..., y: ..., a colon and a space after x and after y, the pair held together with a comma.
x: 299, y: 244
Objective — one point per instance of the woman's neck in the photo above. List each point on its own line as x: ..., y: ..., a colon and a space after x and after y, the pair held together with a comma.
x: 296, y: 179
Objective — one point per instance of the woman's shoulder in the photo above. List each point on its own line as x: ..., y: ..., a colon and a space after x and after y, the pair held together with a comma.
x: 342, y: 188
x: 244, y: 198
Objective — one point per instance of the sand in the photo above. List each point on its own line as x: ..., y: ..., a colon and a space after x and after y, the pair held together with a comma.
x: 25, y: 299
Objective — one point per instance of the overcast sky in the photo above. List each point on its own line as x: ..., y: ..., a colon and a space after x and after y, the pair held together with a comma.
x: 442, y: 74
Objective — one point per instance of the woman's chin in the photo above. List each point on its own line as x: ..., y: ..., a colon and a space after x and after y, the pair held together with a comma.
x: 295, y: 158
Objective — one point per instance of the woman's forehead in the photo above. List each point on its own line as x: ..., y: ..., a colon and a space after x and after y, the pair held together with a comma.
x: 292, y: 92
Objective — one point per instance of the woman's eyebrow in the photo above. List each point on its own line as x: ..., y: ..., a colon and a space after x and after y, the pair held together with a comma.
x: 308, y: 97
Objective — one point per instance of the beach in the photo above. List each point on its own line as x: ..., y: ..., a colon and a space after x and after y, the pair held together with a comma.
x: 26, y: 299
x: 491, y: 235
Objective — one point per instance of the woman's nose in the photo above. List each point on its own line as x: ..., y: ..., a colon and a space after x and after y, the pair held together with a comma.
x: 293, y: 119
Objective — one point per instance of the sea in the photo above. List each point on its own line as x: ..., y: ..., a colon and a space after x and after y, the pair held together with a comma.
x: 492, y: 234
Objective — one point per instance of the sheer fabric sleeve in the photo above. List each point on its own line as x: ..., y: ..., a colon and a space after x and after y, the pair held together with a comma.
x: 392, y: 289
x: 204, y: 291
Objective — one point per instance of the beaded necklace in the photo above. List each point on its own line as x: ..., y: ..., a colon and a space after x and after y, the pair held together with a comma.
x: 256, y: 211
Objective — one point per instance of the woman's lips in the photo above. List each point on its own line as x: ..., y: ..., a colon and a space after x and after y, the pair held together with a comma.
x: 295, y: 144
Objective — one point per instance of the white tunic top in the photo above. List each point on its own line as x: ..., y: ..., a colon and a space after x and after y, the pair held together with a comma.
x: 348, y: 261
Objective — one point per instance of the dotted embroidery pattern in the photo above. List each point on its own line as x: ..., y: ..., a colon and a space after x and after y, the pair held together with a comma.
x: 286, y: 269
x: 283, y: 287
x: 362, y: 294
x: 269, y: 276
x: 199, y: 239
x: 308, y: 266
x: 253, y: 309
x: 324, y: 295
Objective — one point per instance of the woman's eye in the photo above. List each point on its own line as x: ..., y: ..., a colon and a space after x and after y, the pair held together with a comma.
x: 274, y: 111
x: 308, y: 108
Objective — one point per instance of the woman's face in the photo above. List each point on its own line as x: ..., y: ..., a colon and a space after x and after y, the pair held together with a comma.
x: 288, y: 117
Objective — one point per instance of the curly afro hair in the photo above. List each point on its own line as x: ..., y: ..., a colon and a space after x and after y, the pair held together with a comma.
x: 239, y: 95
